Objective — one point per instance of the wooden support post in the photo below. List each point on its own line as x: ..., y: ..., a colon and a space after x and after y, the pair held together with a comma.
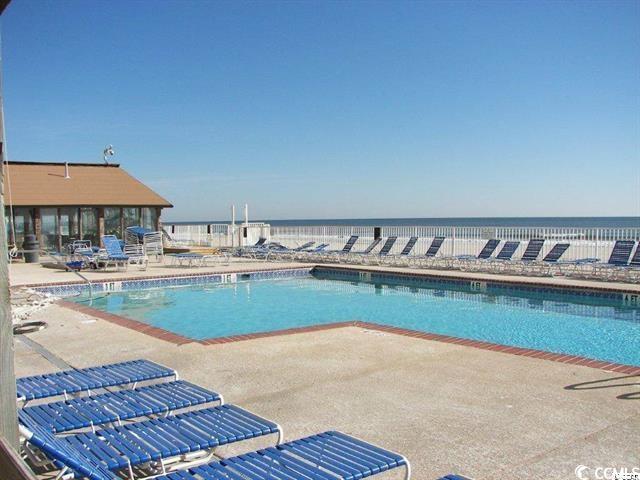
x: 37, y: 226
x: 8, y: 410
x: 59, y: 229
x: 158, y: 224
x: 121, y: 233
x: 100, y: 223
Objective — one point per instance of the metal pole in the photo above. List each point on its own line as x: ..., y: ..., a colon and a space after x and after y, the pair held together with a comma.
x: 8, y: 411
x: 233, y: 226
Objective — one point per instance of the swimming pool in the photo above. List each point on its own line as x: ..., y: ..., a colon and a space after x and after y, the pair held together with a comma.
x: 589, y: 326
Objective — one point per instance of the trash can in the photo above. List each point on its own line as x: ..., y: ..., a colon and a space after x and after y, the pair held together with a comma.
x: 31, y: 248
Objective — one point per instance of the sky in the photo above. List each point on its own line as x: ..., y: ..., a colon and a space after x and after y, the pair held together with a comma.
x: 331, y: 109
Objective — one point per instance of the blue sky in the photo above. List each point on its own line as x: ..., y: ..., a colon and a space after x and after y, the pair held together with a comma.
x: 337, y: 109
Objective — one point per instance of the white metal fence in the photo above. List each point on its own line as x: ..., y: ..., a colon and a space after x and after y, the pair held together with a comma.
x: 585, y: 242
x: 216, y: 234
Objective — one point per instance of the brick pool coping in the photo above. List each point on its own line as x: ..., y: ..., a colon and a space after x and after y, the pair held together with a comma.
x: 176, y: 339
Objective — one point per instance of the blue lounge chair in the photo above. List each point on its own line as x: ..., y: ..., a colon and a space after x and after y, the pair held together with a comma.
x: 429, y: 258
x: 303, y: 247
x: 350, y: 243
x: 556, y: 253
x: 159, y: 440
x: 112, y: 407
x: 409, y: 246
x: 486, y: 251
x: 333, y: 255
x: 384, y: 251
x: 288, y: 253
x: 355, y: 257
x: 629, y: 272
x: 388, y: 245
x: 507, y: 251
x: 64, y: 456
x: 434, y: 248
x: 112, y: 253
x: 546, y: 266
x: 591, y: 267
x: 241, y: 251
x: 534, y: 247
x: 502, y: 259
x: 459, y: 260
x: 325, y: 456
x: 403, y: 256
x: 311, y: 254
x: 87, y: 379
x: 633, y: 271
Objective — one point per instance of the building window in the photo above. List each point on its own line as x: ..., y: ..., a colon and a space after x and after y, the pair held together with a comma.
x: 112, y: 221
x: 89, y: 225
x: 23, y: 224
x: 131, y: 217
x: 149, y: 218
x: 49, y: 228
x: 69, y: 225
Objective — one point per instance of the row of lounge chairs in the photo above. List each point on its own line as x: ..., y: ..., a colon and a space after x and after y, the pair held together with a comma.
x: 623, y: 264
x: 90, y: 433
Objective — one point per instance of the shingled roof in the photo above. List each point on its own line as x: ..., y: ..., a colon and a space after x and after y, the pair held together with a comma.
x: 93, y: 185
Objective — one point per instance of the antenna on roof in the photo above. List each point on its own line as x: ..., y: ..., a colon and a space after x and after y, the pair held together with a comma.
x: 108, y: 152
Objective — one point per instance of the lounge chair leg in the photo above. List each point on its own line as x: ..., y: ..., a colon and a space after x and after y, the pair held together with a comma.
x: 407, y: 473
x: 131, y: 475
x: 63, y: 474
x: 280, y: 434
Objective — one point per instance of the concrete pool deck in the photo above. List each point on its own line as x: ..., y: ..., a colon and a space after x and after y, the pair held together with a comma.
x: 447, y: 407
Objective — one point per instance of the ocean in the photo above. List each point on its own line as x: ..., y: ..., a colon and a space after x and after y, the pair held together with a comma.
x: 567, y: 222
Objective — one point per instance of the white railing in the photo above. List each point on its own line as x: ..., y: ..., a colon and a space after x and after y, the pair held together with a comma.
x: 216, y: 234
x: 585, y: 242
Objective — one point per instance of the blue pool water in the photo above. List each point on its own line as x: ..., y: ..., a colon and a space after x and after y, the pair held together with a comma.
x: 556, y: 323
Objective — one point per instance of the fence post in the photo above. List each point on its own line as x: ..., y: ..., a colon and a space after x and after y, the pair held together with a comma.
x: 453, y: 242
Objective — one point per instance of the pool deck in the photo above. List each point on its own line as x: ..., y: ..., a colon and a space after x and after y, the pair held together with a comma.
x: 33, y: 274
x: 447, y: 407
